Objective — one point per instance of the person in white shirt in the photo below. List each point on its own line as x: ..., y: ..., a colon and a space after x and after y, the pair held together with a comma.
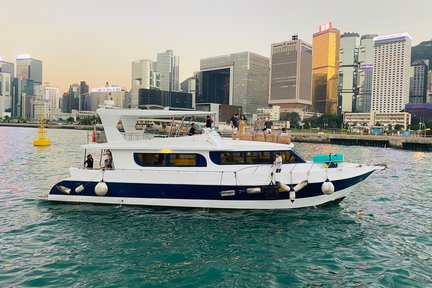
x: 278, y: 162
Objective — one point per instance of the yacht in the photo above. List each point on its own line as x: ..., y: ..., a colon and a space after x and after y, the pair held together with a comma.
x: 203, y: 170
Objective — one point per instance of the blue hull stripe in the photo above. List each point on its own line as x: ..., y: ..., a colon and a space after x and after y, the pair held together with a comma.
x: 202, y: 192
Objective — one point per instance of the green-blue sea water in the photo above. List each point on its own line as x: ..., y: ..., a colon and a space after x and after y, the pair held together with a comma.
x: 379, y: 236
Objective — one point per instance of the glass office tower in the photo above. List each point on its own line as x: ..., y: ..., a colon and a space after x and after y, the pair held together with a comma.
x: 29, y: 68
x: 348, y: 72
x: 366, y: 65
x: 325, y: 69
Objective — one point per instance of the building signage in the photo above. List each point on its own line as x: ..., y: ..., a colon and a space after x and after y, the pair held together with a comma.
x: 324, y: 27
x: 106, y: 89
x: 23, y: 56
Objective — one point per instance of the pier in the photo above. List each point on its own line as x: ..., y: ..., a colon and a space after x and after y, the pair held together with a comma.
x: 400, y: 142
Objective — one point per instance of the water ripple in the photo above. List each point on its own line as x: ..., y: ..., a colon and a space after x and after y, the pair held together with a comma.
x: 378, y: 237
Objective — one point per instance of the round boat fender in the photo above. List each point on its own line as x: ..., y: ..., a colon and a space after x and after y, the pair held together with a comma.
x: 292, y: 196
x: 79, y: 189
x: 327, y: 187
x: 101, y: 189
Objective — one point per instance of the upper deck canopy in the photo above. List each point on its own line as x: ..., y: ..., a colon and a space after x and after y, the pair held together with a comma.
x: 129, y: 117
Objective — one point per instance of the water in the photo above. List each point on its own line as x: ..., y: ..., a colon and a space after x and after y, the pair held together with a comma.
x: 379, y: 236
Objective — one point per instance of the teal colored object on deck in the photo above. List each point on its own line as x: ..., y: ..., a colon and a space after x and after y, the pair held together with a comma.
x: 323, y: 158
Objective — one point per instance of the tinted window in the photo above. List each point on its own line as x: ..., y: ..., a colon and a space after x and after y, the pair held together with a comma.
x: 253, y: 157
x: 170, y: 160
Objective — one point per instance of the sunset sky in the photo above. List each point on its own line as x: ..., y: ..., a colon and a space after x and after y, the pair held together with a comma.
x: 96, y: 40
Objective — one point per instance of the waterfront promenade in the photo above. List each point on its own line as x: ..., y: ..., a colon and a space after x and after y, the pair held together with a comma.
x: 401, y: 142
x: 49, y: 126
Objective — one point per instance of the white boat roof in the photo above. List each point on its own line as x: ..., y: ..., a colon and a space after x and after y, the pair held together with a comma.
x: 207, y: 141
x: 150, y: 113
x: 110, y: 117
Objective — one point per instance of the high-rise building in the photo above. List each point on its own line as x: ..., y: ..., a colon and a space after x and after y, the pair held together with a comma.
x: 174, y: 99
x: 71, y: 99
x: 168, y: 68
x: 52, y: 95
x: 325, y: 69
x: 419, y: 81
x: 391, y: 77
x: 348, y: 72
x: 429, y: 91
x: 144, y: 76
x: 22, y: 94
x: 6, y: 77
x: 291, y: 75
x: 240, y: 79
x: 84, y: 90
x: 29, y: 68
x: 7, y: 67
x: 365, y: 75
x: 189, y: 86
x: 98, y: 96
x: 5, y: 94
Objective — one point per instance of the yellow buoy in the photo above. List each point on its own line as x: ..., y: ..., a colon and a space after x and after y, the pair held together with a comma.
x: 41, y: 141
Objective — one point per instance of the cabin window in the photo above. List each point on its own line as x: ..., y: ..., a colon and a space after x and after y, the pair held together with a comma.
x: 150, y: 159
x: 227, y: 158
x: 258, y: 157
x: 253, y: 157
x: 170, y: 160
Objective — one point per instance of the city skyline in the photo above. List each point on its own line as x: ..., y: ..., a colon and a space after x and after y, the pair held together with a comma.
x: 97, y: 41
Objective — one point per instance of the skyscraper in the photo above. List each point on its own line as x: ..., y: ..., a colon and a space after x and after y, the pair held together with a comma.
x: 240, y: 79
x: 6, y: 77
x: 348, y: 72
x: 29, y: 68
x: 291, y: 75
x: 84, y: 91
x: 52, y: 95
x: 168, y: 68
x: 144, y: 76
x: 22, y: 93
x: 391, y: 77
x: 7, y: 67
x: 5, y: 94
x: 419, y: 81
x: 365, y: 75
x: 325, y: 69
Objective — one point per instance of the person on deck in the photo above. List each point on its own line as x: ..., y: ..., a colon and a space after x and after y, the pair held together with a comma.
x: 284, y: 132
x: 209, y: 121
x: 192, y: 130
x: 242, y: 124
x: 268, y: 125
x: 88, y: 163
x: 278, y: 162
x: 234, y: 125
x: 257, y: 124
x: 108, y: 160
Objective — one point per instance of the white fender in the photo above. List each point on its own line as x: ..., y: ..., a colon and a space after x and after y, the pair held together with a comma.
x: 327, y: 187
x: 101, y: 189
x: 300, y: 185
x: 292, y: 195
x: 283, y: 186
x: 79, y: 189
x: 63, y: 189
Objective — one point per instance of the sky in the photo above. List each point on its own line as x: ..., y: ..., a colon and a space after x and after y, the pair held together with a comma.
x: 97, y: 40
